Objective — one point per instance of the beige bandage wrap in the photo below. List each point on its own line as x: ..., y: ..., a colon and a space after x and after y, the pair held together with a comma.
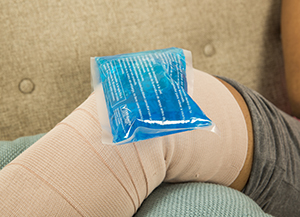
x: 212, y: 158
x: 69, y: 172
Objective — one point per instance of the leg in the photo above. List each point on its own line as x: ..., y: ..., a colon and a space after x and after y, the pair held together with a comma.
x: 274, y: 181
x: 69, y: 172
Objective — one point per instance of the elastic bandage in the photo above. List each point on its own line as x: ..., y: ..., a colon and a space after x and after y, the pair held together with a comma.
x: 69, y: 172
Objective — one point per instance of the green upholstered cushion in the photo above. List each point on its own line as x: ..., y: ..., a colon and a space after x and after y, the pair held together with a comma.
x: 198, y: 199
x: 9, y: 150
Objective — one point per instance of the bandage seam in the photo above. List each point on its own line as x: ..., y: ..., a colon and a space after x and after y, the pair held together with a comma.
x: 137, y: 194
x: 140, y: 160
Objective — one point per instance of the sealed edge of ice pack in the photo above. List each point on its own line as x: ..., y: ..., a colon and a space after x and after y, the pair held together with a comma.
x: 189, y: 71
x: 212, y: 128
x: 103, y: 117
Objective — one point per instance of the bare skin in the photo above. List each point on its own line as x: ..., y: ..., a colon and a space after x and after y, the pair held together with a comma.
x: 290, y: 26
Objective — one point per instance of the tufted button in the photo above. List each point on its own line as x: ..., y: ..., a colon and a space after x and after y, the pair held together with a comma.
x: 209, y: 50
x: 26, y: 86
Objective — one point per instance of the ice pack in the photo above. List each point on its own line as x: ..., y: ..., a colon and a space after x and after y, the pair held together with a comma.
x: 146, y: 95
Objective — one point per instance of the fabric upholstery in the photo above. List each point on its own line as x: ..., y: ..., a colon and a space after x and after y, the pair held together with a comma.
x: 9, y: 150
x: 46, y: 45
x: 198, y: 199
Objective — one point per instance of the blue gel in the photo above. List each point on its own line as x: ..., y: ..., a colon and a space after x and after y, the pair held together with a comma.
x: 146, y: 95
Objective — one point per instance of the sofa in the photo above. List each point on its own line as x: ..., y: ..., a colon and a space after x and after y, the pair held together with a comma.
x: 46, y: 48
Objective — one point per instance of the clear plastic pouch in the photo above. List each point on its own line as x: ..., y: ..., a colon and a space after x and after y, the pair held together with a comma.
x: 145, y: 95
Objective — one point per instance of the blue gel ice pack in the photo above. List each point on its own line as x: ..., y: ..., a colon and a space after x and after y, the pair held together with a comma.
x: 146, y: 95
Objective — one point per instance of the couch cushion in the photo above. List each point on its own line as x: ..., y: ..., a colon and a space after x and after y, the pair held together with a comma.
x: 46, y: 45
x: 9, y: 150
x: 198, y: 199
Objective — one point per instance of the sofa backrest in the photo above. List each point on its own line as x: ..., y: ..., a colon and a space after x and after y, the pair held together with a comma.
x: 46, y: 45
